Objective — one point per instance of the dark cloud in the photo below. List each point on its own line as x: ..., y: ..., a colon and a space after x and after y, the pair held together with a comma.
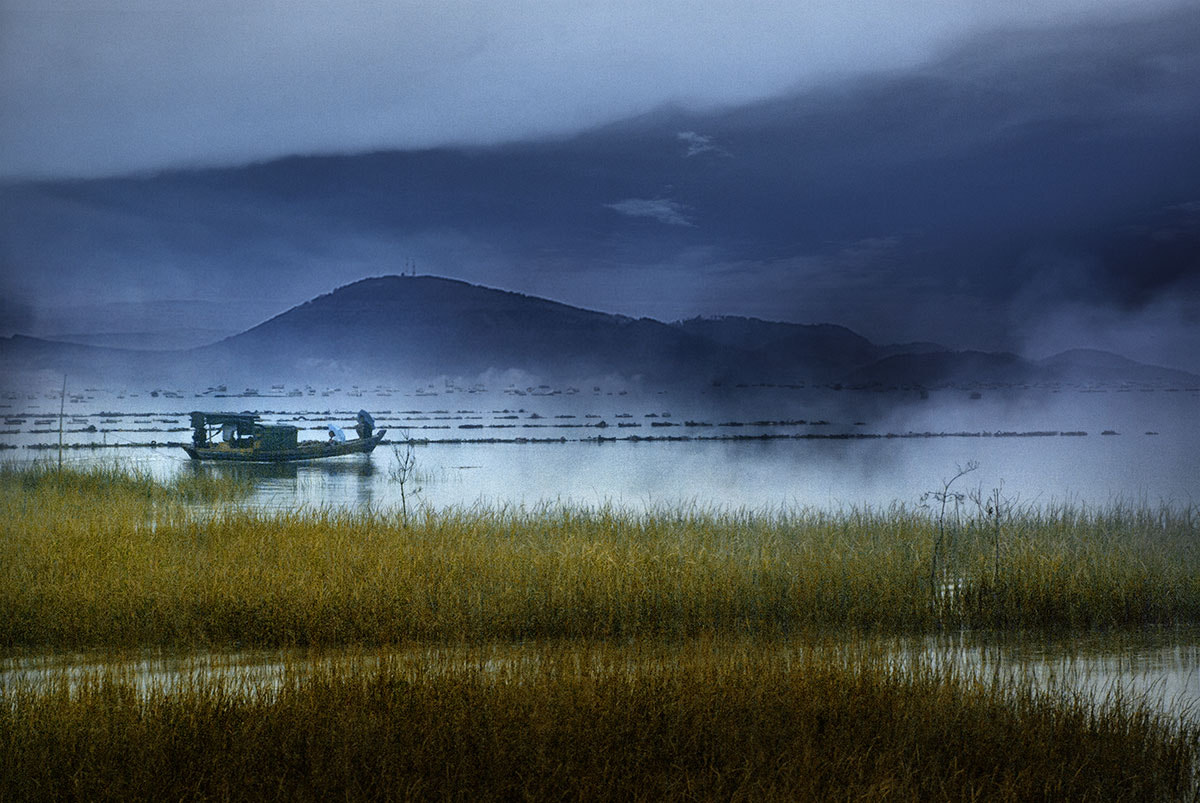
x: 1026, y: 189
x: 15, y: 317
x: 1145, y: 260
x: 91, y: 89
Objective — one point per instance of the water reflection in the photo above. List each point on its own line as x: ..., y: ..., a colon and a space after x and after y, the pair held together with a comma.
x: 359, y: 466
x: 1158, y: 667
x: 349, y: 481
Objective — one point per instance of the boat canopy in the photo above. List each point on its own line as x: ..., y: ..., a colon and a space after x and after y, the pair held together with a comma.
x: 240, y: 420
x: 235, y: 428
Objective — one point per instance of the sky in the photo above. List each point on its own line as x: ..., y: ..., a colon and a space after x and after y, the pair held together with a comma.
x: 999, y: 175
x: 108, y: 88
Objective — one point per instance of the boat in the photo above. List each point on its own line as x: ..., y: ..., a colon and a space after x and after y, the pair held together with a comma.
x: 244, y: 439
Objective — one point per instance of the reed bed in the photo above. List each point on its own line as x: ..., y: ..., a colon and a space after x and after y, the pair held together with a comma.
x: 108, y: 485
x: 710, y: 718
x: 567, y: 653
x: 104, y: 560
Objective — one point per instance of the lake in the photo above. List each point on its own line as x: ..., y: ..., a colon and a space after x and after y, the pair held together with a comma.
x: 638, y: 448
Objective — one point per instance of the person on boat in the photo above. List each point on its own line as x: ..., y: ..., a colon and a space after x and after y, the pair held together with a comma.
x: 199, y: 431
x: 366, y: 424
x: 336, y: 433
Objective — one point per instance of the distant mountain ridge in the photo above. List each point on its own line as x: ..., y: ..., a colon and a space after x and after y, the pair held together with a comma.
x: 427, y: 326
x: 412, y: 327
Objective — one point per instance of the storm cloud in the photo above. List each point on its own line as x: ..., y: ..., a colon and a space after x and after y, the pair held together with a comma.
x: 984, y: 175
x: 90, y: 89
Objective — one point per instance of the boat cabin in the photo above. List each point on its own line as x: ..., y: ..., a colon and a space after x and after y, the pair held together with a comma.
x: 241, y: 431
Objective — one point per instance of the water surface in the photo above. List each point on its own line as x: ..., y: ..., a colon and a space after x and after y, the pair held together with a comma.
x: 754, y: 448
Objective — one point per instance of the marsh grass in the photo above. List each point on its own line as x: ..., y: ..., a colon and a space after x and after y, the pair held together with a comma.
x: 650, y: 655
x: 703, y: 719
x: 114, y: 483
x: 104, y: 559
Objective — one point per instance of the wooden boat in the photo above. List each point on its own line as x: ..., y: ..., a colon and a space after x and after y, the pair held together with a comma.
x: 244, y: 439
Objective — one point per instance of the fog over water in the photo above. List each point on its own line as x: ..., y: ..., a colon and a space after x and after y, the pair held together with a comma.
x: 762, y: 449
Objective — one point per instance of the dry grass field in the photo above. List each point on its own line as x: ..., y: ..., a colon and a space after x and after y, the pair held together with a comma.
x: 101, y: 559
x: 585, y: 653
x: 706, y: 719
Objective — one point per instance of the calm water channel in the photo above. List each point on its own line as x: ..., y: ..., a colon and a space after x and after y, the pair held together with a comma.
x: 1160, y: 667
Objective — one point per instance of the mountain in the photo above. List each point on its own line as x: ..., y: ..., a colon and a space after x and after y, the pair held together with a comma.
x: 820, y: 352
x: 427, y: 326
x: 1078, y: 366
x: 933, y: 368
x: 159, y: 340
x: 422, y: 327
x: 1092, y: 365
x: 23, y: 357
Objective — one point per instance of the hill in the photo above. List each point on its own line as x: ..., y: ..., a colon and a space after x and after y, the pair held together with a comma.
x: 932, y: 368
x: 428, y: 326
x: 423, y: 327
x: 786, y: 351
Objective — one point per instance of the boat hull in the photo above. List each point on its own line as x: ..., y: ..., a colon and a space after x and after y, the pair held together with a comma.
x: 314, y: 450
